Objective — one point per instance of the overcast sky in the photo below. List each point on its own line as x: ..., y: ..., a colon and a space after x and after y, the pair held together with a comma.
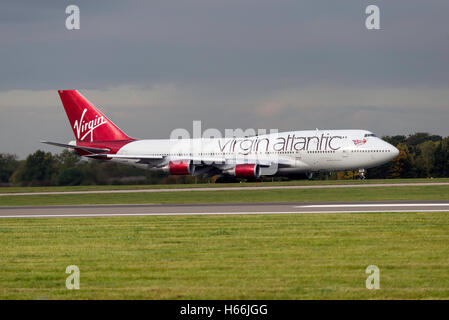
x: 153, y: 66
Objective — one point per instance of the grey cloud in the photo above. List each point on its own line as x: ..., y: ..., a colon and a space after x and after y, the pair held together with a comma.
x: 203, y: 41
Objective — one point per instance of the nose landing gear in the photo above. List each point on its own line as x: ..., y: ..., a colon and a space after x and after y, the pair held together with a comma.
x: 362, y: 174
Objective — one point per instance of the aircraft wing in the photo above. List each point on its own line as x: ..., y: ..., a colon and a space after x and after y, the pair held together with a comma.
x: 204, y: 161
x: 141, y: 158
x: 217, y: 162
x: 150, y: 159
x: 126, y: 156
x: 200, y: 160
x: 214, y: 161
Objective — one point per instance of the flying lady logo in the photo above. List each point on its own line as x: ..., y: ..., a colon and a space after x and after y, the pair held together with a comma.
x: 359, y: 142
x: 83, y: 128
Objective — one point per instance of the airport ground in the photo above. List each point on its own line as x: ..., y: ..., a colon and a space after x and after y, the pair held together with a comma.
x: 221, y: 185
x: 371, y: 192
x: 270, y: 256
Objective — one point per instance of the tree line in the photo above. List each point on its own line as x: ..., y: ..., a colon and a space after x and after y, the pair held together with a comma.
x: 69, y: 169
x: 421, y: 156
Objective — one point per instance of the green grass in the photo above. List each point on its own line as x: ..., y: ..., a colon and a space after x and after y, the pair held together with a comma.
x: 215, y: 185
x: 227, y: 257
x: 429, y: 192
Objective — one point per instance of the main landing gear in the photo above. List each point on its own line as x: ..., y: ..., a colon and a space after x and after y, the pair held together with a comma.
x: 310, y: 175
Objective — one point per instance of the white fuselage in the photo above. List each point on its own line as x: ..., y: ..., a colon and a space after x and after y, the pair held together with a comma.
x: 286, y: 152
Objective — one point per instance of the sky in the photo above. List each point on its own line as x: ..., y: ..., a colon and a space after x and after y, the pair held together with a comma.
x: 155, y: 66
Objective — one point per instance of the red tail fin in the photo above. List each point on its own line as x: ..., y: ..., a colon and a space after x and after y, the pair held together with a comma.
x: 87, y: 122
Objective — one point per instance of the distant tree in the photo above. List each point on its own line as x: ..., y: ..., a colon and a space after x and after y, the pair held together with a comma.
x: 402, y: 165
x: 8, y: 164
x: 425, y: 154
x: 39, y: 168
x: 440, y: 166
x: 67, y: 159
x: 70, y: 177
x: 69, y: 171
x: 421, y: 137
x: 395, y: 140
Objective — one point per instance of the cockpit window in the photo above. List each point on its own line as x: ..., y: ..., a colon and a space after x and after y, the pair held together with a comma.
x: 370, y: 135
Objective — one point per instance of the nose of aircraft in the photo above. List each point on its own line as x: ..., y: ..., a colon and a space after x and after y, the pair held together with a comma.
x: 394, y: 151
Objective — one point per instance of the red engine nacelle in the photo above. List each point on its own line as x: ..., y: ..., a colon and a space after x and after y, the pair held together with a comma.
x: 247, y: 170
x: 180, y: 167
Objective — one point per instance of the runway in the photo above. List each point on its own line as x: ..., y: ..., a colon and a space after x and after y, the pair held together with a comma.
x: 222, y: 209
x: 322, y: 186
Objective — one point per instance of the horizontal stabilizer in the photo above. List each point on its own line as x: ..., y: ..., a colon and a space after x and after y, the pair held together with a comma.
x: 88, y: 149
x: 126, y: 156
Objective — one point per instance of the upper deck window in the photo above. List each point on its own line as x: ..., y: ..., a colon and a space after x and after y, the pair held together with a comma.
x: 370, y: 135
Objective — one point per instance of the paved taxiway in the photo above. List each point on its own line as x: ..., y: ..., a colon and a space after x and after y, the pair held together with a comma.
x: 222, y: 209
x: 323, y: 186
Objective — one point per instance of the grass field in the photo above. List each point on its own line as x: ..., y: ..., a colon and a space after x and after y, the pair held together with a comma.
x: 274, y: 195
x: 227, y: 257
x: 216, y: 185
x: 320, y: 256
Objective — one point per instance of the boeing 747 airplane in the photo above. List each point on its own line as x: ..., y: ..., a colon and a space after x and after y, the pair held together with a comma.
x: 243, y: 157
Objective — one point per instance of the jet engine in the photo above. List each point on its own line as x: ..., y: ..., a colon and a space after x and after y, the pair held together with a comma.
x: 247, y: 170
x: 180, y: 167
